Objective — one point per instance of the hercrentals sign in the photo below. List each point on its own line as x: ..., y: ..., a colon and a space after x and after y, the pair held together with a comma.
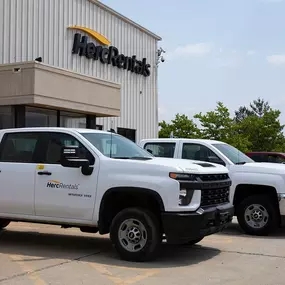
x: 107, y: 55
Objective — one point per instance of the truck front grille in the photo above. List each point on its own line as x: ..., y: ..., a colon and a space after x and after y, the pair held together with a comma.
x: 215, y: 189
x: 213, y: 177
x: 212, y: 197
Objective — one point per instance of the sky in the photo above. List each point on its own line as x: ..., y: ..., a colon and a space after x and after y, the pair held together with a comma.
x: 231, y: 51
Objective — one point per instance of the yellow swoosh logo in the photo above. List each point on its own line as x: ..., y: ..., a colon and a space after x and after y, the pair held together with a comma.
x: 55, y: 181
x: 93, y: 34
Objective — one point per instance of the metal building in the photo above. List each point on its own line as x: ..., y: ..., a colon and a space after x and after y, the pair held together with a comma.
x: 76, y: 63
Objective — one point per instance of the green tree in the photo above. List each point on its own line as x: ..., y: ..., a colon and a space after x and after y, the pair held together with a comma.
x: 181, y: 127
x: 265, y: 131
x: 256, y: 108
x: 218, y: 125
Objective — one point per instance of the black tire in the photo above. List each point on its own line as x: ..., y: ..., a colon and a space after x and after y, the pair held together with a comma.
x: 151, y: 231
x: 4, y: 224
x: 266, y: 204
x: 194, y: 241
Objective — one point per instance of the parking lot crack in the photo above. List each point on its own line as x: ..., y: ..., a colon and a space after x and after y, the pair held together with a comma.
x: 48, y: 267
x: 244, y: 253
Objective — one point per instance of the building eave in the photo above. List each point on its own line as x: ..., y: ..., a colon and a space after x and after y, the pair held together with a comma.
x: 125, y: 19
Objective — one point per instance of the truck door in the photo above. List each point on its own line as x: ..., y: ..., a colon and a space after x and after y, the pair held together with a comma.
x: 19, y: 154
x: 63, y: 192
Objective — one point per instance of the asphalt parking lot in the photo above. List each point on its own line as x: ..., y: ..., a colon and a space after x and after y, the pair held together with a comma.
x: 38, y: 254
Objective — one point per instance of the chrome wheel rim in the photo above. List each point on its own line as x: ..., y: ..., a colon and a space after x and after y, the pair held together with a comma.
x: 132, y: 235
x: 256, y: 216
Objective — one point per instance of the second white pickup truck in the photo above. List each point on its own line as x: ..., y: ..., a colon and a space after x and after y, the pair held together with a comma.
x: 257, y: 191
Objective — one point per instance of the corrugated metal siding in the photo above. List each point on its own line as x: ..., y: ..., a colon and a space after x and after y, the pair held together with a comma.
x: 32, y: 28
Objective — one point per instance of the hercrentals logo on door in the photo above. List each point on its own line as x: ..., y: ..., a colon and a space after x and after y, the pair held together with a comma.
x: 60, y: 185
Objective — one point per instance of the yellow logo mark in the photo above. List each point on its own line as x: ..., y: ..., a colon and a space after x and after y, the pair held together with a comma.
x: 40, y: 167
x: 55, y: 181
x: 93, y: 34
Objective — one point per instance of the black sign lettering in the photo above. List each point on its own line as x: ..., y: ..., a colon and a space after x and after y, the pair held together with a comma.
x: 103, y: 54
x: 120, y: 60
x: 109, y: 55
x: 90, y: 50
x: 79, y: 45
x: 113, y: 54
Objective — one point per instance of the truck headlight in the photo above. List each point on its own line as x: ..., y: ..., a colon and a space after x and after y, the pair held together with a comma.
x: 185, y: 196
x: 183, y: 176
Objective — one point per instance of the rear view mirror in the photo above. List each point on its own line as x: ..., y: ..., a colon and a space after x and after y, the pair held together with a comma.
x: 149, y: 150
x: 70, y: 158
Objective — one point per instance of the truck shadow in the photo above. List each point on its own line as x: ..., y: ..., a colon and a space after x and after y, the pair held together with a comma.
x: 38, y: 248
x: 235, y: 230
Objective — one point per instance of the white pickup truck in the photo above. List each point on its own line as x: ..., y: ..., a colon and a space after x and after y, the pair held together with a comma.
x: 257, y: 191
x: 102, y: 182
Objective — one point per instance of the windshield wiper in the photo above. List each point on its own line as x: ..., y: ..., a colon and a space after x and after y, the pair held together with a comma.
x: 240, y: 163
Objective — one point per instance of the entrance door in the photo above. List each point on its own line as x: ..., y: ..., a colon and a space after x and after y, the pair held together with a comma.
x: 18, y: 161
x: 63, y: 192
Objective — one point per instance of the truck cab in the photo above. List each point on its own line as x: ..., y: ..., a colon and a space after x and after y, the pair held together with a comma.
x: 257, y: 191
x: 102, y: 182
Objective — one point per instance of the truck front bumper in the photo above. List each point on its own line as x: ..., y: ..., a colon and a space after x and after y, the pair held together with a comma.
x: 180, y: 227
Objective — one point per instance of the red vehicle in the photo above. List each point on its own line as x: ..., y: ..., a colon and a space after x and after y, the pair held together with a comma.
x: 267, y: 156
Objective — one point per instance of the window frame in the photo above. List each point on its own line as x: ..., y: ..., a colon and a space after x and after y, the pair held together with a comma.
x: 200, y: 145
x: 37, y: 151
x: 47, y: 137
x: 161, y: 143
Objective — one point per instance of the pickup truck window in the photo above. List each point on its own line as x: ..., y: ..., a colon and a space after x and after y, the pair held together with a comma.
x: 19, y: 147
x: 54, y: 143
x: 197, y: 152
x: 115, y: 146
x: 162, y: 149
x: 233, y: 154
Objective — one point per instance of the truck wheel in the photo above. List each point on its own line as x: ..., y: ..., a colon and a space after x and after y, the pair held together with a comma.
x: 257, y: 215
x: 4, y: 224
x: 194, y: 241
x: 135, y: 233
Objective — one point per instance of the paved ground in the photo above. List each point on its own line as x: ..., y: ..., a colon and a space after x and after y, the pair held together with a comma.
x: 39, y: 255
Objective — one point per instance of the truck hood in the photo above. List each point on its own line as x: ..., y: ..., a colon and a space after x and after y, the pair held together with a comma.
x: 185, y: 165
x: 260, y: 167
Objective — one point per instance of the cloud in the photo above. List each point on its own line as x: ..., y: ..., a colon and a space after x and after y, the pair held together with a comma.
x: 190, y: 50
x: 276, y: 59
x: 251, y: 52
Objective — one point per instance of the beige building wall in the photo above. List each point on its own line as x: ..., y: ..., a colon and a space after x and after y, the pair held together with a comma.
x: 37, y: 84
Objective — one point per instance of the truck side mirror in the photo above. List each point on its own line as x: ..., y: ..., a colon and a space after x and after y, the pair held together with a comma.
x: 216, y: 160
x: 70, y: 158
x: 149, y: 150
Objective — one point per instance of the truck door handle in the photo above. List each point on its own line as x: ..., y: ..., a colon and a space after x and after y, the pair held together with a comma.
x: 44, y: 173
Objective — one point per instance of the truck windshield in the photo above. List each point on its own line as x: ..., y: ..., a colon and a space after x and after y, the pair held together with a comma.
x: 233, y: 154
x: 116, y: 146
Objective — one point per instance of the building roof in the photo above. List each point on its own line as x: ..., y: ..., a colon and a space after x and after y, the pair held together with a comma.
x: 127, y: 20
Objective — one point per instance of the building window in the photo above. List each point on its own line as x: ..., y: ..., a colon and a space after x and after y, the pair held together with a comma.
x: 72, y: 120
x: 40, y: 117
x: 7, y: 117
x: 128, y: 133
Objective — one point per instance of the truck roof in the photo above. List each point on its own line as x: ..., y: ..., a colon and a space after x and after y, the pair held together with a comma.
x: 184, y: 140
x: 31, y: 129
